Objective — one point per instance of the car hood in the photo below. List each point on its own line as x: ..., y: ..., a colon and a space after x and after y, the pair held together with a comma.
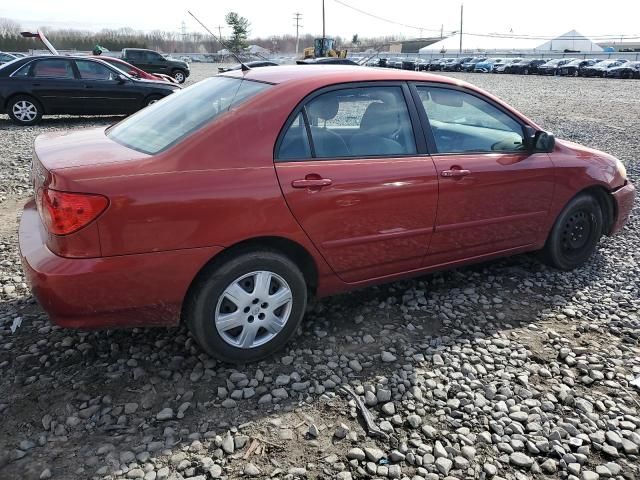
x: 79, y: 148
x: 159, y: 82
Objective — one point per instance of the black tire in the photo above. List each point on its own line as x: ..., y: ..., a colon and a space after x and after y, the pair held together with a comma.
x: 575, y: 233
x: 152, y: 99
x: 179, y: 75
x: 30, y: 116
x: 207, y: 298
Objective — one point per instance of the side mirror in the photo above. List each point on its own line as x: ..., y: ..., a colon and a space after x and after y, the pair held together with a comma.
x: 539, y: 140
x: 121, y: 78
x: 545, y: 142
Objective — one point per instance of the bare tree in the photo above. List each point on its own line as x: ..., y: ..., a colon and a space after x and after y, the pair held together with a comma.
x: 9, y: 27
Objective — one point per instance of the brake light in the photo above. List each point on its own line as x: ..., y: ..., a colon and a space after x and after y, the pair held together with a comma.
x: 63, y: 213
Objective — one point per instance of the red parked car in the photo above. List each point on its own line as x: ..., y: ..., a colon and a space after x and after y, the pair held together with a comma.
x: 135, y: 71
x: 230, y: 203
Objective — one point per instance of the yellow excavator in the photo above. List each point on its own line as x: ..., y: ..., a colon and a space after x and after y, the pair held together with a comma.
x: 323, y: 47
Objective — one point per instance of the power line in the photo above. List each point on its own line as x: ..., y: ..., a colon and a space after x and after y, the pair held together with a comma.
x: 604, y: 37
x: 384, y: 19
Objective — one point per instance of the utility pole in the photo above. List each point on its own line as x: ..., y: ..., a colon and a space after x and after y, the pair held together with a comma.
x: 323, y: 31
x: 220, y: 36
x: 461, y: 11
x: 297, y: 18
x: 183, y: 33
x: 441, y: 31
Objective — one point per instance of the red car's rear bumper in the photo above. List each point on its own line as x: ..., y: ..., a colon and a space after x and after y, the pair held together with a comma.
x: 121, y: 291
x: 624, y: 197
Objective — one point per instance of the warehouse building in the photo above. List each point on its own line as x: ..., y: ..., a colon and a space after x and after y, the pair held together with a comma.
x: 571, y: 41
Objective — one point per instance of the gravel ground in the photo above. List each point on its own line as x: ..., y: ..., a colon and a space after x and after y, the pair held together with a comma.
x: 503, y: 370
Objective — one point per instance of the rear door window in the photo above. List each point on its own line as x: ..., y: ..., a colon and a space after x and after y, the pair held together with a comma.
x: 53, y: 68
x: 134, y: 56
x: 368, y: 121
x: 295, y: 143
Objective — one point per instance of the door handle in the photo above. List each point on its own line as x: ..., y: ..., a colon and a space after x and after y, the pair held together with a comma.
x: 455, y: 173
x: 311, y: 183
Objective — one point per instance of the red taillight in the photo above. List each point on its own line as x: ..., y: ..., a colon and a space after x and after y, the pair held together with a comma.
x: 63, y: 212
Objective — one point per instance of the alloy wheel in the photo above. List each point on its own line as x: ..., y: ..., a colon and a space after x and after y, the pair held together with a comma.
x: 25, y: 111
x: 253, y: 309
x: 179, y: 76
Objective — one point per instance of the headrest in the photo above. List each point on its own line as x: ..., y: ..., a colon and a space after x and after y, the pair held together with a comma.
x: 324, y: 108
x: 380, y: 119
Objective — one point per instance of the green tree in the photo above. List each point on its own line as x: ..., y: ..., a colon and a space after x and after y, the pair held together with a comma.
x: 355, y: 40
x: 240, y: 27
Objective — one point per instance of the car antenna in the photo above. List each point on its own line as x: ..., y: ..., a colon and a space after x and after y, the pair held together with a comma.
x: 244, y: 67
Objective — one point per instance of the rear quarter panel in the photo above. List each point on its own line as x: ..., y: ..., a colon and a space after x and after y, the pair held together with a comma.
x: 216, y: 188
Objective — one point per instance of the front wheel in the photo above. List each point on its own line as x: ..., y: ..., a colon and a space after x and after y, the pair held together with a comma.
x: 575, y: 234
x: 247, y: 308
x: 151, y: 99
x: 179, y: 76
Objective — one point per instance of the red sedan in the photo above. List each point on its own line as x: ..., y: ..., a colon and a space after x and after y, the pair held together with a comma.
x: 228, y: 204
x: 135, y: 71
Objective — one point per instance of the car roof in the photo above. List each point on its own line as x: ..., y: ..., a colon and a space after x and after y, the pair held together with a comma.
x: 335, y: 74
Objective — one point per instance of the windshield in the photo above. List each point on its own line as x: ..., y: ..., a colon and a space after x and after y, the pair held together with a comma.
x: 165, y: 123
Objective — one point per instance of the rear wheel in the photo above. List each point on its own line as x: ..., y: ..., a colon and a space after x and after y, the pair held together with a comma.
x: 247, y: 308
x: 24, y: 110
x: 575, y: 234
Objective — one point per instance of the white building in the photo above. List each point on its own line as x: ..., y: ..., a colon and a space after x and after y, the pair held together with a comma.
x: 484, y: 44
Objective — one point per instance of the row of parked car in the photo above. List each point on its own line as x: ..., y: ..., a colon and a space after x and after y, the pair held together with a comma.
x: 591, y: 67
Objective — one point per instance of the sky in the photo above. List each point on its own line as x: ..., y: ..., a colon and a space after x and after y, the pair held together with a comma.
x: 539, y: 17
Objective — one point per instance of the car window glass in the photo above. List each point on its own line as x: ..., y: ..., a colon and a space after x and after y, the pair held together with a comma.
x: 153, y: 57
x: 462, y: 122
x: 22, y: 71
x: 53, y: 68
x: 134, y: 55
x: 165, y: 123
x: 295, y: 142
x: 94, y: 71
x: 359, y: 122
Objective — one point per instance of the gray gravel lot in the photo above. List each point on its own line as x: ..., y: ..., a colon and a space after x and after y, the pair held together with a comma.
x: 503, y: 370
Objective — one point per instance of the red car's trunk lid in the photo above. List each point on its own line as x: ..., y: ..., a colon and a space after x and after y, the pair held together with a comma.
x: 69, y: 149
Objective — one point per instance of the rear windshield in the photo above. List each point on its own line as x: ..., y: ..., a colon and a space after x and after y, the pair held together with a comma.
x: 167, y: 122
